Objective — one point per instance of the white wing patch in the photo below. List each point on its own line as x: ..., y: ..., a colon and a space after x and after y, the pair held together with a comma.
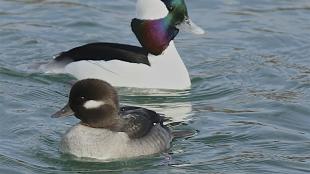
x: 93, y: 104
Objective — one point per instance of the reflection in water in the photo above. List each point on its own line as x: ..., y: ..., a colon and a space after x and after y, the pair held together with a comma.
x: 249, y: 100
x: 174, y: 104
x: 176, y: 112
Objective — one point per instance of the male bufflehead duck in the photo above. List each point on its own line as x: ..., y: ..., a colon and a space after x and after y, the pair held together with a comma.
x: 108, y: 131
x: 156, y: 64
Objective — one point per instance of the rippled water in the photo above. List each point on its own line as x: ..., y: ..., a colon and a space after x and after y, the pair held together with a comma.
x: 249, y: 101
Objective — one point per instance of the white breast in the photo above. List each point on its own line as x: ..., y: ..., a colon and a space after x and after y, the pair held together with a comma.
x: 83, y: 141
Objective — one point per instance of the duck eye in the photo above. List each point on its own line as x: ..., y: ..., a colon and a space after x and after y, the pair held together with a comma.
x: 81, y: 100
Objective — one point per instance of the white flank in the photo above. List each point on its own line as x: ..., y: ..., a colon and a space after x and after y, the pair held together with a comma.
x: 93, y: 104
x: 167, y: 71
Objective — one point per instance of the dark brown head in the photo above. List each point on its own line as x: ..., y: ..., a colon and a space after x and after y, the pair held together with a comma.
x: 94, y: 102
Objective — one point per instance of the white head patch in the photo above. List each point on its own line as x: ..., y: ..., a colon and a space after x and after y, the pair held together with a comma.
x: 151, y: 9
x: 93, y: 104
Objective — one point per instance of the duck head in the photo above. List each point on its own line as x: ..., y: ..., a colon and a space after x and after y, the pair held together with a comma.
x: 94, y: 102
x: 159, y: 21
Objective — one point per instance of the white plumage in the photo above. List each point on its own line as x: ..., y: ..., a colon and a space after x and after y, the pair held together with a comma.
x: 167, y: 71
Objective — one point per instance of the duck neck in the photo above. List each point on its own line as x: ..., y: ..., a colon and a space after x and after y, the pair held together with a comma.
x: 169, y: 61
x: 113, y: 123
x: 169, y: 66
x: 169, y: 55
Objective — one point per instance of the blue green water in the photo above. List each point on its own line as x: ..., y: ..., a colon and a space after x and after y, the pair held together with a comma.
x: 249, y: 103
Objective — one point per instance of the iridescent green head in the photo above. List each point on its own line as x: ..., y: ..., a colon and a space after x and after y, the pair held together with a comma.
x: 177, y: 11
x: 159, y: 21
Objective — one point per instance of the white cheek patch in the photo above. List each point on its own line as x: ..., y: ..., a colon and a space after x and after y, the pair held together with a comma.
x: 151, y: 9
x: 93, y: 104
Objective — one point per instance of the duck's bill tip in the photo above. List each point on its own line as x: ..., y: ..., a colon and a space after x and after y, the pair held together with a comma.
x: 64, y: 112
x: 191, y: 27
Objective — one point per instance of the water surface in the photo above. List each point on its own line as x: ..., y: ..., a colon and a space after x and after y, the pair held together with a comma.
x: 249, y: 102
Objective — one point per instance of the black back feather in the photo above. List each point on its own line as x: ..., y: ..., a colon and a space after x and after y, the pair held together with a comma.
x: 105, y: 51
x: 139, y: 121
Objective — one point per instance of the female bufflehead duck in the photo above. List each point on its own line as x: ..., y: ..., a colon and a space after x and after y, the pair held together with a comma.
x: 108, y: 131
x: 156, y: 64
